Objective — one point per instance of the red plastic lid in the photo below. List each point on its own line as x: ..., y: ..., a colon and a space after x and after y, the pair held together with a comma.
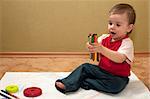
x: 32, y: 92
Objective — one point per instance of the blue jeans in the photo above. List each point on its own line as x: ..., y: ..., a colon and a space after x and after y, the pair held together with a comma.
x: 89, y: 76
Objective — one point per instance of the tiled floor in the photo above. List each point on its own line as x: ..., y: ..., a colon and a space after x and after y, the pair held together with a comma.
x: 140, y: 67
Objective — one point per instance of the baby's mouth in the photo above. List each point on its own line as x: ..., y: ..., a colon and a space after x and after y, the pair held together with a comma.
x: 112, y: 33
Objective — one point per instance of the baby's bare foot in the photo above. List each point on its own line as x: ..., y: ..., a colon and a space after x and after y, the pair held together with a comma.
x: 60, y: 85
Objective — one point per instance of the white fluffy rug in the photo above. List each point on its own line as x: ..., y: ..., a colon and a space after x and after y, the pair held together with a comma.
x: 46, y: 81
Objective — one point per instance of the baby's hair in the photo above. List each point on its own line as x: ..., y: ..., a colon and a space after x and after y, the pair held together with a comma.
x: 124, y: 8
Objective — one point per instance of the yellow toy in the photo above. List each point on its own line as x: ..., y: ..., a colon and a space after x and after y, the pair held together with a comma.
x: 12, y: 88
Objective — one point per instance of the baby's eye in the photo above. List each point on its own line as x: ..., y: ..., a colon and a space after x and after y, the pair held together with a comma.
x: 110, y: 23
x: 118, y: 25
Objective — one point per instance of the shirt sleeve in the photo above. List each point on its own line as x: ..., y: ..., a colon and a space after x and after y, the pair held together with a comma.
x: 103, y: 36
x: 127, y: 49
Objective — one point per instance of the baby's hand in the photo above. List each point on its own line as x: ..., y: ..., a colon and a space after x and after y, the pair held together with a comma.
x: 94, y: 47
x: 95, y: 44
x: 90, y: 47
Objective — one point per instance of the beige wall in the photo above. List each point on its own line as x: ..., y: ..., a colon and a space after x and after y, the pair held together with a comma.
x: 63, y: 25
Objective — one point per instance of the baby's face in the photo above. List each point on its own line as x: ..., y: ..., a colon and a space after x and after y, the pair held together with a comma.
x: 119, y: 26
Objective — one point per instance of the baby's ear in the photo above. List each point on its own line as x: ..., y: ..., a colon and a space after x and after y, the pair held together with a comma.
x: 130, y: 27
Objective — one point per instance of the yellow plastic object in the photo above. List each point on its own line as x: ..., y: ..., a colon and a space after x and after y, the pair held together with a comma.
x: 95, y: 56
x: 12, y: 88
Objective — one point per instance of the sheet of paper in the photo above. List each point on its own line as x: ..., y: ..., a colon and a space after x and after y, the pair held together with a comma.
x: 46, y: 81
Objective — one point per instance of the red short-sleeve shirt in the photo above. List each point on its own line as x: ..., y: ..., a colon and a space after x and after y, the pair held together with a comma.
x: 120, y: 69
